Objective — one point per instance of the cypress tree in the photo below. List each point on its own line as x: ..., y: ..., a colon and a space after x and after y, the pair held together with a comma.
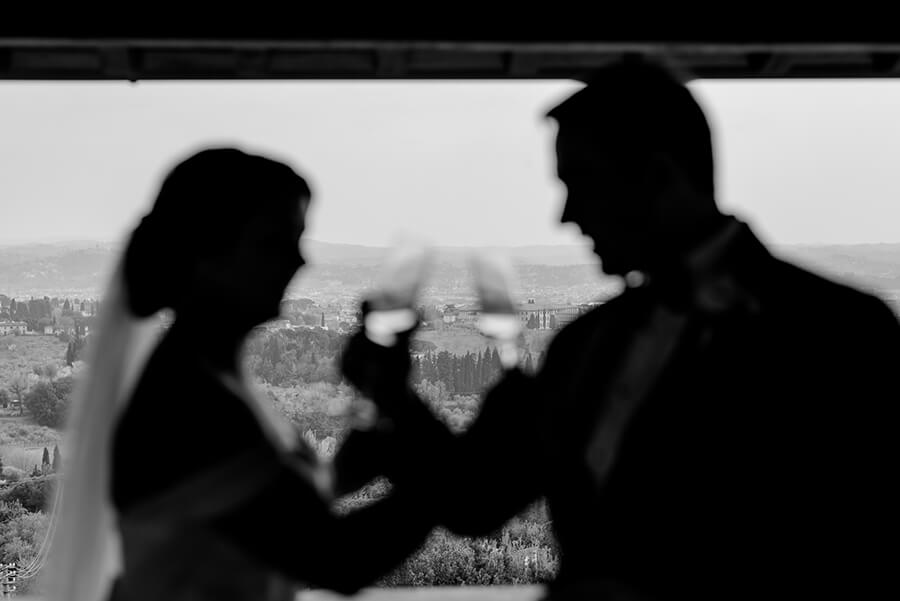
x: 529, y: 365
x: 57, y: 458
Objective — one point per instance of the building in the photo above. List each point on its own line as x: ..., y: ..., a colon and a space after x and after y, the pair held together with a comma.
x: 532, y: 314
x: 13, y: 327
x: 567, y: 315
x: 539, y: 316
x: 468, y: 313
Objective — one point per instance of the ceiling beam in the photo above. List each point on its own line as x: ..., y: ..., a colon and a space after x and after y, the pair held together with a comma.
x: 136, y: 58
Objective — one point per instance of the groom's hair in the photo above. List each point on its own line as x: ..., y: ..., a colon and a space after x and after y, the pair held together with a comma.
x: 636, y: 107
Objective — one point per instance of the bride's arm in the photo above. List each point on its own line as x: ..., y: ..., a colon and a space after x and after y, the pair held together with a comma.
x: 289, y: 526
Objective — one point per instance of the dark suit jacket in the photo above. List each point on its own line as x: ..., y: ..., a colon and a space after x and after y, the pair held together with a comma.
x: 760, y: 466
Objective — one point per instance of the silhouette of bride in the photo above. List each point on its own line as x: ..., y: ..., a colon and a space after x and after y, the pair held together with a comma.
x: 181, y: 485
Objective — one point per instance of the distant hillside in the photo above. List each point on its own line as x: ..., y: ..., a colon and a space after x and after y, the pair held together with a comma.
x: 80, y: 268
x: 344, y: 254
x: 351, y: 254
x: 77, y: 268
x: 875, y: 267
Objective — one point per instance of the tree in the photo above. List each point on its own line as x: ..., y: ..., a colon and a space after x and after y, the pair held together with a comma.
x: 496, y: 367
x: 67, y: 323
x: 4, y: 399
x: 57, y: 458
x: 74, y: 349
x: 529, y: 365
x: 22, y: 311
x: 433, y: 393
x: 67, y: 307
x: 63, y: 387
x: 429, y: 368
x: 468, y: 372
x: 31, y: 494
x: 36, y: 308
x: 444, y: 365
x: 18, y: 387
x: 46, y: 405
x: 45, y: 460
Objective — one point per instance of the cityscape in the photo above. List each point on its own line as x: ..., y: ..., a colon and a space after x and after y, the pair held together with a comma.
x: 51, y: 299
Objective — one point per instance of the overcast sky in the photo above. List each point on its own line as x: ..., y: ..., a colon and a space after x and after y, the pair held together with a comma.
x: 459, y: 163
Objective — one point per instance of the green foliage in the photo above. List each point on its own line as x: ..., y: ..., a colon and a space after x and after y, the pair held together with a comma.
x: 41, y: 402
x: 20, y: 434
x: 366, y: 495
x: 523, y: 552
x: 12, y: 474
x: 48, y: 401
x: 10, y: 510
x: 32, y: 494
x: 75, y: 349
x: 21, y: 535
x: 57, y: 459
x: 447, y: 560
x: 19, y: 354
x: 457, y: 411
x: 422, y: 346
x: 293, y: 357
x: 461, y: 374
x: 320, y: 407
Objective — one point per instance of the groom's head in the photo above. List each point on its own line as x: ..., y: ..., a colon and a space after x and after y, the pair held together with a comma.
x: 631, y: 143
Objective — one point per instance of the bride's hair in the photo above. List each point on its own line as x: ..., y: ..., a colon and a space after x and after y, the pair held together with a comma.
x: 201, y: 207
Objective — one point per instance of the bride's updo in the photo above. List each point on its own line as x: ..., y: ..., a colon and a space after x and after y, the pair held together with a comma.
x: 203, y: 204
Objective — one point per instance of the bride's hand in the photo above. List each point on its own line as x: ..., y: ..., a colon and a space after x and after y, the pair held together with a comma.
x: 379, y: 372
